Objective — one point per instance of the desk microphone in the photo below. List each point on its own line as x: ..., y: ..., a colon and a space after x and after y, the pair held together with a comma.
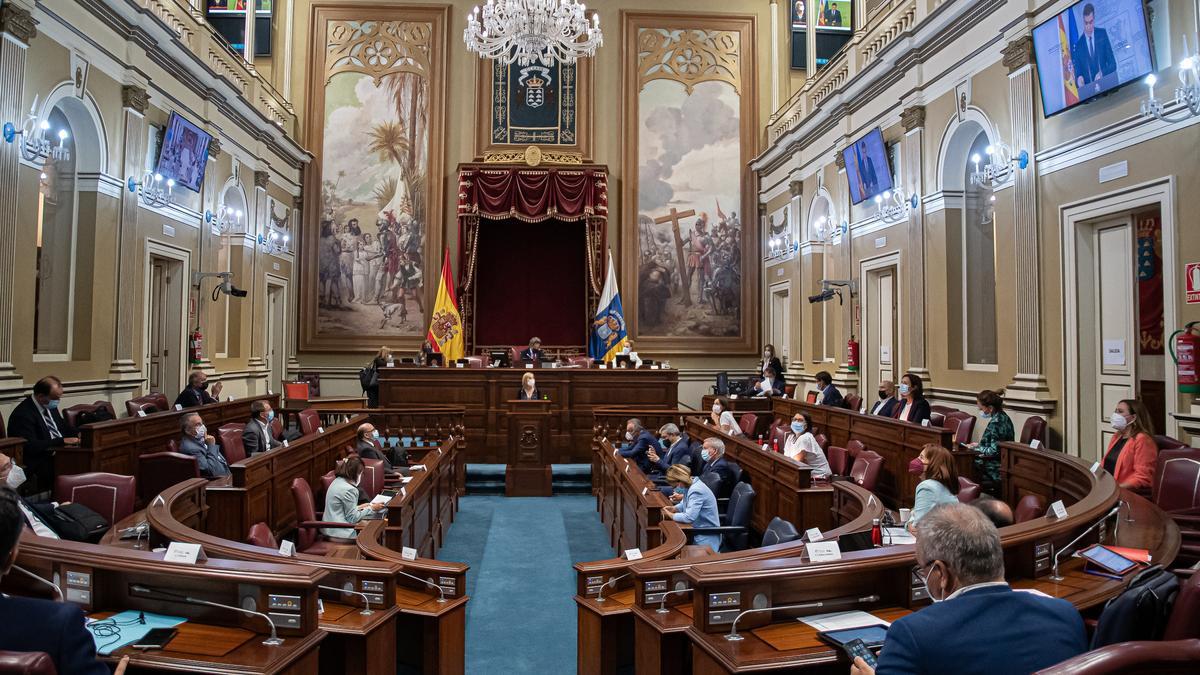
x: 272, y: 641
x: 1054, y: 575
x: 614, y: 580
x: 440, y: 590
x: 733, y: 634
x: 49, y: 583
x: 662, y: 606
x: 366, y: 601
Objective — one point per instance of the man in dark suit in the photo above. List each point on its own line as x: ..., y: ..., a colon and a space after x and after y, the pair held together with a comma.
x: 713, y: 455
x: 200, y: 444
x: 886, y: 405
x: 196, y: 392
x: 37, y: 420
x: 364, y: 445
x: 256, y: 435
x: 639, y: 441
x: 1092, y: 54
x: 977, y: 623
x: 678, y: 449
x: 829, y: 393
x: 866, y: 169
x: 533, y: 353
x: 772, y: 384
x: 32, y: 625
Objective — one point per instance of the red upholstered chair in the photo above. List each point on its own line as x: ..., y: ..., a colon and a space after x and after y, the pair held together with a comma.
x: 965, y: 427
x: 372, y: 477
x: 747, y: 424
x: 159, y: 401
x: 1168, y: 443
x: 277, y: 428
x: 230, y: 442
x: 778, y: 437
x: 968, y: 490
x: 1132, y: 658
x: 935, y: 419
x: 27, y: 663
x: 811, y: 397
x: 261, y: 535
x: 1034, y: 427
x: 1177, y: 480
x: 308, y: 531
x: 822, y: 441
x: 71, y: 415
x: 108, y: 494
x: 474, y: 361
x: 514, y: 356
x: 309, y: 421
x: 1030, y: 507
x: 839, y: 460
x: 580, y: 361
x: 1184, y: 622
x: 854, y: 402
x: 942, y: 409
x: 853, y: 447
x: 866, y: 469
x: 160, y: 470
x: 326, y: 480
x: 313, y: 380
x: 789, y: 390
x: 232, y: 426
x: 173, y: 445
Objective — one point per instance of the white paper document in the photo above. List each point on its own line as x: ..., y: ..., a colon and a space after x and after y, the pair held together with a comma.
x: 842, y: 620
x: 898, y: 535
x: 381, y: 499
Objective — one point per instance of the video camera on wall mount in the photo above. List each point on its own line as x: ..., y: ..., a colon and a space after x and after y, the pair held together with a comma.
x: 226, y: 286
x: 829, y: 289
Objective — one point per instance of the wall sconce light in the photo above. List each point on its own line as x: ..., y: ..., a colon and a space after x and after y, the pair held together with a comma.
x: 150, y: 190
x: 1001, y: 164
x: 226, y: 218
x: 780, y: 246
x: 825, y: 228
x: 892, y: 207
x: 33, y: 132
x: 1187, y: 93
x: 274, y: 242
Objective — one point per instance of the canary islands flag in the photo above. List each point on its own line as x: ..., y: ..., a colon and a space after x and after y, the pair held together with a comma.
x: 608, y: 327
x: 445, y: 327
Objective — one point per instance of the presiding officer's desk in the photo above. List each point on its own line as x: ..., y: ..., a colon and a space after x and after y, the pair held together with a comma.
x: 573, y: 391
x: 114, y: 446
x: 881, y: 580
x: 102, y: 580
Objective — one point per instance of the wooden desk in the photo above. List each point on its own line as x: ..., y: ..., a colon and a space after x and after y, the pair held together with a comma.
x: 115, y: 445
x: 101, y: 579
x: 527, y: 472
x: 573, y: 392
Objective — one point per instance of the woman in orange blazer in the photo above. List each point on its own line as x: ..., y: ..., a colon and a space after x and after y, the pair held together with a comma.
x: 1132, y: 453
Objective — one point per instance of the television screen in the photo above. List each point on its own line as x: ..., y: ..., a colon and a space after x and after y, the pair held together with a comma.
x: 836, y: 15
x: 184, y: 153
x: 799, y: 7
x: 799, y: 50
x: 867, y: 167
x: 1090, y: 48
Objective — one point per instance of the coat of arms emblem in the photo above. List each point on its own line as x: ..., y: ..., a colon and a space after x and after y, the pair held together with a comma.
x: 444, y: 326
x: 535, y: 79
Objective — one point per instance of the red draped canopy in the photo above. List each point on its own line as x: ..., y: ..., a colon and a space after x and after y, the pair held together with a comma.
x: 532, y: 195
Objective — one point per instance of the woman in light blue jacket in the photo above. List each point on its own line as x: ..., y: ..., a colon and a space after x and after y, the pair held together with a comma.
x: 699, y: 508
x: 341, y: 499
x: 939, y: 482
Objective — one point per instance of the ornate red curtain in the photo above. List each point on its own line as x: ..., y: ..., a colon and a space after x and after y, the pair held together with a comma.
x: 532, y: 195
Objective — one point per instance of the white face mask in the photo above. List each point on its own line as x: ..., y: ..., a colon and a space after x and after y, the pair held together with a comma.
x: 531, y: 384
x: 1118, y: 421
x: 929, y: 590
x: 201, y: 432
x: 16, y: 476
x: 904, y: 390
x: 629, y: 435
x: 716, y: 408
x: 375, y: 434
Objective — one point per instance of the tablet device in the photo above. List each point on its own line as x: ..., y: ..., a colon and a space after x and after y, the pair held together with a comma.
x: 1107, y: 559
x: 871, y: 636
x: 156, y: 638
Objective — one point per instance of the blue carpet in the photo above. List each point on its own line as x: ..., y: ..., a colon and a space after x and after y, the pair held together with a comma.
x: 521, y: 616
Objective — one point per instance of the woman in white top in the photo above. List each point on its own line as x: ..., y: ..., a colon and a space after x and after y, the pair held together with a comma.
x: 728, y: 424
x: 939, y: 482
x: 802, y: 446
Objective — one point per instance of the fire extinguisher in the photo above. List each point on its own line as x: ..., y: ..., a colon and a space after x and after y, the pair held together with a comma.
x: 852, y: 355
x: 196, y: 347
x: 1183, y: 351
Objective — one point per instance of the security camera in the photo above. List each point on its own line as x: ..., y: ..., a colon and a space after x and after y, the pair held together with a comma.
x: 226, y: 286
x: 229, y: 289
x: 823, y: 296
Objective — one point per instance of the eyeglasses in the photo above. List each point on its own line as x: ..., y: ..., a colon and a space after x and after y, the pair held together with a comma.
x: 919, y: 571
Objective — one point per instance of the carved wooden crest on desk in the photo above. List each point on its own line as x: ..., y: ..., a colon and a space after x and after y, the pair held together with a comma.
x: 529, y: 443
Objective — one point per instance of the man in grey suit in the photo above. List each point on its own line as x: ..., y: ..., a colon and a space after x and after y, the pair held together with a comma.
x: 198, y: 443
x: 256, y: 436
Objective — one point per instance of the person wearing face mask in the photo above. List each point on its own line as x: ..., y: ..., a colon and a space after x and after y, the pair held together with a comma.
x: 913, y: 406
x: 802, y: 446
x: 341, y: 499
x: 977, y: 623
x: 675, y: 445
x: 1132, y: 453
x: 769, y: 360
x: 888, y: 403
x: 829, y: 394
x: 771, y: 385
x: 528, y: 390
x: 198, y: 443
x: 367, y: 437
x: 196, y: 392
x: 638, y: 442
x: 257, y: 436
x: 987, y: 451
x: 712, y: 454
x: 37, y: 420
x: 939, y: 482
x: 697, y: 505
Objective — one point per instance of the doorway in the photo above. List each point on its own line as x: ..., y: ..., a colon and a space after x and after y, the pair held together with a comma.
x: 164, y: 360
x: 880, y: 329
x: 276, y: 352
x: 781, y: 320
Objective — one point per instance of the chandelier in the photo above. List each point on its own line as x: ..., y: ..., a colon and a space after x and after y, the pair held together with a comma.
x: 525, y: 31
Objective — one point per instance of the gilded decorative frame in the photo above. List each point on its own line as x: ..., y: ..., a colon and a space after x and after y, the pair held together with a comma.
x: 745, y: 25
x: 438, y: 17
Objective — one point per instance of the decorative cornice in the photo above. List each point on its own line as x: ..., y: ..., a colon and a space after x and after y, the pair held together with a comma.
x: 839, y: 159
x: 135, y: 98
x: 18, y: 22
x: 261, y: 178
x: 913, y: 117
x: 298, y: 202
x: 1018, y: 53
x: 214, y: 148
x: 796, y: 188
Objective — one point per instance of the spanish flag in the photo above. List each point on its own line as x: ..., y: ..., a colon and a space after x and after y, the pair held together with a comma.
x: 445, y: 327
x: 1070, y: 91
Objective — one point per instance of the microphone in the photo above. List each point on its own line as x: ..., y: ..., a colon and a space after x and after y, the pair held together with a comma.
x: 662, y: 607
x: 1054, y: 576
x: 440, y: 590
x: 49, y: 583
x: 272, y: 641
x: 733, y: 634
x: 366, y: 601
x: 614, y: 580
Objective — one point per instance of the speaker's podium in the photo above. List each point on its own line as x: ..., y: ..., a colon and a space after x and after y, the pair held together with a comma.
x: 527, y: 473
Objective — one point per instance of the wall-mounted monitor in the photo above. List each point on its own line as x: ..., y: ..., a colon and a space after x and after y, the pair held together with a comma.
x: 867, y: 168
x: 836, y: 15
x: 799, y: 11
x: 228, y: 17
x: 184, y: 153
x: 1091, y: 48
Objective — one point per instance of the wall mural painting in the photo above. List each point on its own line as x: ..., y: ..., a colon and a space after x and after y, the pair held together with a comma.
x: 690, y: 182
x: 377, y: 185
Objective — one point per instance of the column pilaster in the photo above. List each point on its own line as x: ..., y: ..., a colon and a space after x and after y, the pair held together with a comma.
x: 134, y: 102
x: 258, y: 338
x: 913, y: 172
